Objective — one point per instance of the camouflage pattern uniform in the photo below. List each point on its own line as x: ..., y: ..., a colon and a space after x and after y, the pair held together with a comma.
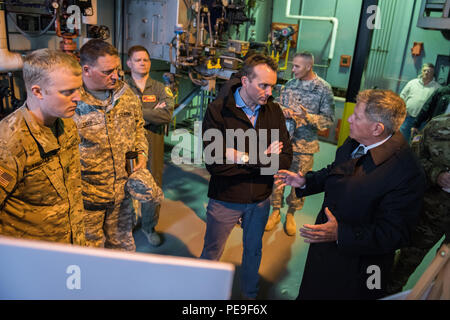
x: 108, y: 130
x: 143, y: 188
x: 155, y: 120
x: 317, y: 98
x: 40, y: 182
x: 433, y: 149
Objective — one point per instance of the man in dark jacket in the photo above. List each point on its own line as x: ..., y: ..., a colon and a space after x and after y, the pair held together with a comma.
x: 373, y: 196
x: 245, y: 143
x: 437, y: 104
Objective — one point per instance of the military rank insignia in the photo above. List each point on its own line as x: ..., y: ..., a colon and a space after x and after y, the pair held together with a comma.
x: 149, y: 98
x: 169, y: 92
x: 5, y: 178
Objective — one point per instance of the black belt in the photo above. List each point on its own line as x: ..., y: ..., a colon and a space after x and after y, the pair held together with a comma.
x: 96, y: 206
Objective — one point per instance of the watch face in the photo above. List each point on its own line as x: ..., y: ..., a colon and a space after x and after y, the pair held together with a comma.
x: 245, y: 158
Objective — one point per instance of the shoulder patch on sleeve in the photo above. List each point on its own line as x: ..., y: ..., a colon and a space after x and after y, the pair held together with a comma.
x: 168, y: 92
x: 417, y: 138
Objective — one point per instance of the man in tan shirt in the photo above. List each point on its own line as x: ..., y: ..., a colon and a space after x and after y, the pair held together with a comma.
x: 40, y: 183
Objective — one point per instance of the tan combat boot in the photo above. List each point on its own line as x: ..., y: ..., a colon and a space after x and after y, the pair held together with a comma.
x: 290, y: 225
x: 273, y: 219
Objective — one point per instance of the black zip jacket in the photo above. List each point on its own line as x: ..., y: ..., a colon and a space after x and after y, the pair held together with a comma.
x: 242, y: 183
x: 434, y: 106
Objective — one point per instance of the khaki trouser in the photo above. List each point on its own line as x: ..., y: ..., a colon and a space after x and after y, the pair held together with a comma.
x: 150, y: 212
x: 110, y: 225
x: 300, y: 162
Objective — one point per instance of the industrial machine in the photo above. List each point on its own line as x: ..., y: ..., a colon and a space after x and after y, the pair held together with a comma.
x: 199, y: 38
x: 34, y: 20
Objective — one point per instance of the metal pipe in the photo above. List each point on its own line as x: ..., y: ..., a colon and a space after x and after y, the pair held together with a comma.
x: 333, y: 20
x: 211, y: 40
x: 198, y: 23
x: 8, y: 61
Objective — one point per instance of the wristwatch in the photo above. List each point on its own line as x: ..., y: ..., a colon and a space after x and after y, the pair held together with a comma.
x: 244, y: 158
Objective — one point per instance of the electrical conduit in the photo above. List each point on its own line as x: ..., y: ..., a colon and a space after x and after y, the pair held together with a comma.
x: 333, y: 20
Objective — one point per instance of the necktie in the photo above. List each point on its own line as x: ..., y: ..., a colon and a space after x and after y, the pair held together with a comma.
x: 359, y: 152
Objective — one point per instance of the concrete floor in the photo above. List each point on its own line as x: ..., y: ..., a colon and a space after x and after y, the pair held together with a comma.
x: 182, y: 225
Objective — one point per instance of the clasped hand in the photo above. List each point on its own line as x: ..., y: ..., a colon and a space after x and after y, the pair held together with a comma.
x: 234, y: 155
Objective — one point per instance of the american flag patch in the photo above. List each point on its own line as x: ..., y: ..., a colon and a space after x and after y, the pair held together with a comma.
x: 5, y: 178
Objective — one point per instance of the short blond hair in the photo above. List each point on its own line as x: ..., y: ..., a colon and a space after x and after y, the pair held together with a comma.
x: 305, y: 55
x: 38, y: 65
x: 384, y: 106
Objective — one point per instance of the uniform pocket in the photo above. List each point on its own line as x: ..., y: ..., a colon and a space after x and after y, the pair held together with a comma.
x: 42, y: 185
x: 55, y: 175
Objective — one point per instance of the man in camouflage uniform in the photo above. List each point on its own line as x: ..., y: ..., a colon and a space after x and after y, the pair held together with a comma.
x: 40, y: 181
x: 308, y: 100
x: 157, y: 106
x: 433, y: 149
x: 110, y: 124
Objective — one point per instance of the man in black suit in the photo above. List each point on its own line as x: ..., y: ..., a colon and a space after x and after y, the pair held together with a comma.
x: 373, y: 195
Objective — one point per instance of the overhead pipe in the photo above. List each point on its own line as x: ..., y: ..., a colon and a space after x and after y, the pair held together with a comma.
x: 8, y: 61
x: 333, y: 20
x: 92, y: 19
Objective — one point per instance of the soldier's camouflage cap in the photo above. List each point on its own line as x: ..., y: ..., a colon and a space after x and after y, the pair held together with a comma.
x: 142, y: 187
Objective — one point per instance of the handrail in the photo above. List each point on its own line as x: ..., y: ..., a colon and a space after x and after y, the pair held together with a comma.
x: 333, y: 20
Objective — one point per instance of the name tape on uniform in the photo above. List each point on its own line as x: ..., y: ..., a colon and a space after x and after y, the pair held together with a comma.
x: 149, y: 98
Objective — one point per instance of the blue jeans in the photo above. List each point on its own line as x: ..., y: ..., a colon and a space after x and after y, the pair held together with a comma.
x: 405, y: 129
x: 221, y: 217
